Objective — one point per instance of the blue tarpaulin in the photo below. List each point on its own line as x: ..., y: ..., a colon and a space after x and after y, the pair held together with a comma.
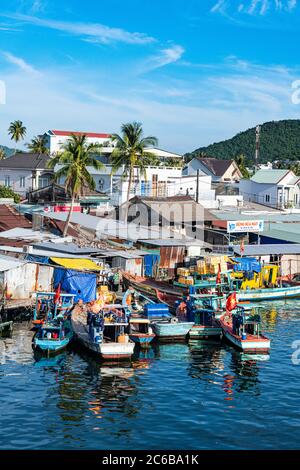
x: 37, y: 259
x: 247, y: 264
x: 149, y: 263
x: 83, y: 285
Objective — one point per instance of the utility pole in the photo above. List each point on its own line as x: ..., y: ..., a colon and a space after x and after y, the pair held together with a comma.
x: 257, y: 133
x: 197, y: 186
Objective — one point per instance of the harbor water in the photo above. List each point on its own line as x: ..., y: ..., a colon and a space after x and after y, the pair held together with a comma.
x: 196, y: 395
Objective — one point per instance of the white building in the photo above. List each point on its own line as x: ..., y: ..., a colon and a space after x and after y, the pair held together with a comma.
x: 220, y: 171
x: 55, y: 139
x: 24, y: 172
x: 275, y: 188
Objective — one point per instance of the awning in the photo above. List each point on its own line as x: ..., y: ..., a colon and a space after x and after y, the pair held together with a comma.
x: 77, y: 264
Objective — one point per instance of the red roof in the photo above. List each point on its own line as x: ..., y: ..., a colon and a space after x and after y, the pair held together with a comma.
x: 88, y: 134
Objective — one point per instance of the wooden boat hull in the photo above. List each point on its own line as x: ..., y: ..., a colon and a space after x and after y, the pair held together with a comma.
x: 143, y: 340
x: 204, y: 331
x: 155, y: 290
x: 260, y: 295
x: 171, y: 331
x: 253, y: 344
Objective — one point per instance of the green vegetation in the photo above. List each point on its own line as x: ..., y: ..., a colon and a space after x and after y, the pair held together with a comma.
x: 7, y: 151
x: 8, y: 193
x: 38, y: 145
x: 280, y: 140
x: 17, y: 132
x: 131, y: 151
x: 76, y: 156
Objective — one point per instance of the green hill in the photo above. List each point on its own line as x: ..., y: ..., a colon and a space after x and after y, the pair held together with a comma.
x: 7, y: 150
x: 280, y: 140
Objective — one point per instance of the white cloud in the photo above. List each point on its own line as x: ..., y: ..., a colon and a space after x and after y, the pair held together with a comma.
x: 95, y: 32
x: 184, y: 115
x: 165, y: 57
x: 20, y: 63
x: 253, y: 7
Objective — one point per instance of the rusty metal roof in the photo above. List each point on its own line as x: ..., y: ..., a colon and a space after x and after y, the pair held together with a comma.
x: 10, y: 218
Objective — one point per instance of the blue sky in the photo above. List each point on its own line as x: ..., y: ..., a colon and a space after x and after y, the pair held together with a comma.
x: 192, y: 71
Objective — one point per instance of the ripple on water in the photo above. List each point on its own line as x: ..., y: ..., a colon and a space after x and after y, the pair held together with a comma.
x: 200, y: 395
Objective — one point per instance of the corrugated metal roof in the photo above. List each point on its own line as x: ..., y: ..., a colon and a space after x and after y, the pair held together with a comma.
x: 269, y: 176
x: 35, y: 252
x: 69, y: 248
x: 172, y: 242
x: 10, y: 218
x: 110, y: 228
x: 269, y: 249
x: 7, y: 263
x: 27, y: 234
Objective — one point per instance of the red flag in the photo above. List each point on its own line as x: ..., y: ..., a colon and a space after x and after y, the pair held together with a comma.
x: 218, y: 280
x: 231, y: 302
x: 57, y: 294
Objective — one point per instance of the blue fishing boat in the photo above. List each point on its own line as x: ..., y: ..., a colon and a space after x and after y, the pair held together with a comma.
x: 268, y: 293
x: 53, y: 337
x: 140, y: 331
x: 204, y: 310
x: 52, y: 320
x: 165, y: 325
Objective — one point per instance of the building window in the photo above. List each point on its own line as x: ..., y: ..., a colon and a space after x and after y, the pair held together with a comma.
x: 7, y: 181
x: 267, y: 197
x: 22, y: 181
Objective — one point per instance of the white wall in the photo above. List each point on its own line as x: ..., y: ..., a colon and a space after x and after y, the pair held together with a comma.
x: 21, y: 281
x: 257, y: 192
x: 15, y: 176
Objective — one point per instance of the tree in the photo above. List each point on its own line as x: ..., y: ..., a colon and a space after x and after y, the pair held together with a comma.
x: 8, y: 193
x: 75, y: 158
x: 2, y: 154
x: 17, y: 132
x: 38, y: 145
x: 130, y: 151
x: 240, y: 161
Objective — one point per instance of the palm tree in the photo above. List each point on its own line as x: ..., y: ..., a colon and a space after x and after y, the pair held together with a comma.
x: 130, y: 151
x: 241, y: 163
x: 38, y: 145
x: 17, y: 132
x: 2, y: 154
x: 76, y: 156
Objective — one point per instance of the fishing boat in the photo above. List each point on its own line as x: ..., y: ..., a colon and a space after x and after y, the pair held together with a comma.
x: 53, y: 337
x: 160, y: 291
x: 243, y: 331
x: 50, y: 304
x: 268, y: 293
x: 140, y: 331
x: 103, y: 332
x: 51, y: 320
x: 204, y: 310
x: 166, y: 326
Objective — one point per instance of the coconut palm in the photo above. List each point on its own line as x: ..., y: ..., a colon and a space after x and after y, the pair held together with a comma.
x: 131, y: 151
x: 74, y: 159
x: 240, y: 160
x: 17, y: 132
x: 38, y: 145
x: 2, y: 154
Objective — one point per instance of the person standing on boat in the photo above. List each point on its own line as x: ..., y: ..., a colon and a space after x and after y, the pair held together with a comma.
x: 116, y: 282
